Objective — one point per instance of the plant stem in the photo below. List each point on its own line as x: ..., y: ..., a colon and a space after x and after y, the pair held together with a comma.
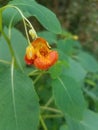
x: 34, y: 72
x: 38, y: 77
x: 53, y: 116
x: 8, y: 41
x: 10, y: 46
x: 0, y: 20
x: 5, y: 62
x: 50, y: 109
x: 6, y: 37
x: 49, y: 102
x: 43, y: 123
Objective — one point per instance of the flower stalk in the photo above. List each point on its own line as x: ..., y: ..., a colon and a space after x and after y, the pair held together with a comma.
x: 7, y: 38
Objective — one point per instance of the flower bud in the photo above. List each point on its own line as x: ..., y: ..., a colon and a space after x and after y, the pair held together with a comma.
x: 33, y: 33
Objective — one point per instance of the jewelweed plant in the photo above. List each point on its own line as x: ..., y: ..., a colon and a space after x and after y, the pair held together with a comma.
x: 47, y: 80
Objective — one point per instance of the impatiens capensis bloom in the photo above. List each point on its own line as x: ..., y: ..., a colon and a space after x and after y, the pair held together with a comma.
x: 40, y: 55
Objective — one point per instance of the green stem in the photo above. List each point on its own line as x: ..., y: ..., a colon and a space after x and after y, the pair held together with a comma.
x: 34, y: 72
x: 0, y: 20
x: 43, y: 123
x: 51, y: 109
x: 53, y: 116
x: 8, y: 41
x: 10, y: 46
x: 6, y: 37
x: 46, y: 105
x: 5, y: 62
x: 49, y: 102
x: 39, y: 76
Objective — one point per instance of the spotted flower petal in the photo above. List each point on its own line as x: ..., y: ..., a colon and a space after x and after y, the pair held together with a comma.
x: 39, y: 54
x: 44, y: 63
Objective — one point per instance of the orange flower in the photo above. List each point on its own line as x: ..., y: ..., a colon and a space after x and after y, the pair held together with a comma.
x: 40, y: 55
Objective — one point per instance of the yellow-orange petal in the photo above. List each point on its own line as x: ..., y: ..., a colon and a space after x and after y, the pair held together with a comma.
x: 45, y: 63
x: 40, y: 42
x: 30, y: 52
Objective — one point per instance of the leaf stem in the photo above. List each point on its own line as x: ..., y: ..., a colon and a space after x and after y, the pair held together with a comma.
x: 51, y: 109
x: 34, y: 72
x: 6, y: 38
x: 0, y: 20
x: 25, y: 20
x: 10, y: 46
x: 4, y: 61
x: 49, y: 102
x: 23, y: 17
x: 13, y: 92
x: 53, y: 116
x: 43, y: 123
x: 38, y: 77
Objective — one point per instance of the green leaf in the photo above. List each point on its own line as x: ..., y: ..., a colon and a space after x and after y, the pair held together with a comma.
x: 74, y: 124
x: 68, y: 96
x: 4, y: 50
x: 12, y: 16
x: 2, y: 67
x: 19, y: 108
x: 59, y: 67
x: 64, y: 127
x: 47, y: 18
x: 75, y: 70
x: 89, y: 122
x: 88, y: 62
x: 49, y: 36
x: 56, y: 70
x: 19, y: 45
x: 67, y: 45
x: 93, y: 94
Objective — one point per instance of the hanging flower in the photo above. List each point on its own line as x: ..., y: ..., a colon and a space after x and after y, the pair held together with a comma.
x: 40, y: 55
